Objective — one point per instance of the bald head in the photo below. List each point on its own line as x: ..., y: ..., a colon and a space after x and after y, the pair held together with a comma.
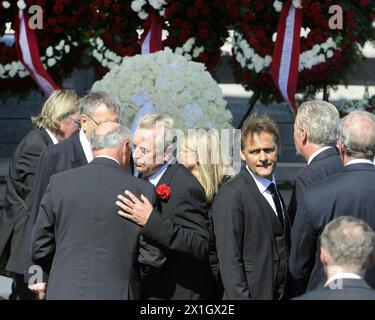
x: 111, y: 139
x: 357, y: 135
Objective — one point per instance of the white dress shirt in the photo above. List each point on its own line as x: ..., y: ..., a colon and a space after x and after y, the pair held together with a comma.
x: 343, y: 275
x: 154, y: 178
x: 319, y: 151
x: 52, y: 136
x: 85, y: 143
x: 263, y: 184
x: 355, y: 161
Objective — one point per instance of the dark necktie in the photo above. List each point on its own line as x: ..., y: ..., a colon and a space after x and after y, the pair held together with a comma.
x: 276, y: 200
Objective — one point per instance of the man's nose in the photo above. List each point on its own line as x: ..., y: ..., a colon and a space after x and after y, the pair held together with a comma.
x: 262, y: 156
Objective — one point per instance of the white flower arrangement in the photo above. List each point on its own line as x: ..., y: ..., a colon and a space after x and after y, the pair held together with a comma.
x: 249, y: 59
x: 278, y: 5
x: 138, y: 7
x: 174, y: 86
x: 49, y: 59
x: 106, y: 57
x: 189, y: 50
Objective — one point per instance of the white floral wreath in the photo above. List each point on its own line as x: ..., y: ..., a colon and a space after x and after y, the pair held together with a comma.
x: 138, y: 7
x: 249, y: 59
x: 49, y: 59
x: 173, y: 85
x: 278, y: 5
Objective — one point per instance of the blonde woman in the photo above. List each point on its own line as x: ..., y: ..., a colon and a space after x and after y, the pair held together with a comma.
x: 58, y: 120
x: 202, y: 152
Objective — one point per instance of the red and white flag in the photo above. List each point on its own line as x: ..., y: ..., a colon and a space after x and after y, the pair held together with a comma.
x: 28, y: 53
x: 285, y: 61
x: 151, y: 38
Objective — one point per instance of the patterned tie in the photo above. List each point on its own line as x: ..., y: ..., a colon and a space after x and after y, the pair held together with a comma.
x: 276, y: 200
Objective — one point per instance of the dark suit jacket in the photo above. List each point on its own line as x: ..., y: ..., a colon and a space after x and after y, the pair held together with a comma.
x: 350, y: 289
x: 245, y: 226
x: 348, y: 192
x: 324, y: 164
x: 18, y: 198
x: 180, y: 230
x: 65, y: 155
x: 93, y: 250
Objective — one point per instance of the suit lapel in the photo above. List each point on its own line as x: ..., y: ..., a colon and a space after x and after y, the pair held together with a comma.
x: 167, y: 176
x: 267, y: 213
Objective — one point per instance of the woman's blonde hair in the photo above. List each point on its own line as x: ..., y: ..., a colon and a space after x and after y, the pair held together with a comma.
x: 59, y: 105
x: 213, y: 162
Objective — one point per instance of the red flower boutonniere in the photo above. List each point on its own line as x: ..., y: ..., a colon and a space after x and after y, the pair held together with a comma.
x: 163, y: 192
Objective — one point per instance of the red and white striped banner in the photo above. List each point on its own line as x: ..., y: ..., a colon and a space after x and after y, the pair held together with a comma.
x: 285, y: 61
x: 28, y: 53
x: 151, y: 38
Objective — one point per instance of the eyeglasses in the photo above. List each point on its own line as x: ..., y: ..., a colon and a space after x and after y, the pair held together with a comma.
x: 77, y: 122
x: 99, y: 123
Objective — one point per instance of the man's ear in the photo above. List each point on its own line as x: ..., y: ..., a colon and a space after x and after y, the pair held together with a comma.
x: 84, y: 122
x: 304, y: 136
x: 324, y: 256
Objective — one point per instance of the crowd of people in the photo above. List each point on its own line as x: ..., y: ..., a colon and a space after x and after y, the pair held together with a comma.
x: 92, y: 211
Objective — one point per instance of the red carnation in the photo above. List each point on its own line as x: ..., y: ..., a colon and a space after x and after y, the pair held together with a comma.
x: 163, y: 192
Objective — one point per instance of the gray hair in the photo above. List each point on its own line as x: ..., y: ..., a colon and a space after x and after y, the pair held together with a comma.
x: 95, y: 99
x: 164, y: 127
x: 110, y: 140
x: 357, y: 133
x: 320, y: 119
x: 350, y: 242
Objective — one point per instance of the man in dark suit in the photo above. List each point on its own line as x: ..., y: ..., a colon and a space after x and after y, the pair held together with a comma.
x: 89, y: 251
x: 348, y: 192
x: 347, y: 249
x: 250, y: 223
x: 315, y: 136
x: 95, y: 109
x: 57, y: 121
x: 179, y: 228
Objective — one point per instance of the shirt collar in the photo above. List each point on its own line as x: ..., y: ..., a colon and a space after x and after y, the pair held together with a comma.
x: 52, y: 136
x: 343, y: 275
x: 155, y: 177
x: 86, y: 146
x: 262, y: 183
x: 108, y: 157
x: 355, y: 161
x: 319, y: 151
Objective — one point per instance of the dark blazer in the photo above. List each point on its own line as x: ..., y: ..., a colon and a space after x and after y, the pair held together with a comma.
x: 349, y: 289
x: 18, y: 198
x: 348, y: 192
x: 180, y: 229
x: 324, y: 164
x: 65, y: 155
x: 245, y: 227
x: 93, y: 251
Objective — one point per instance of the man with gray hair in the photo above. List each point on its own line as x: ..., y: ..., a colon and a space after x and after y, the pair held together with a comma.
x: 348, y: 192
x: 179, y: 227
x: 347, y: 249
x: 315, y: 136
x: 95, y: 108
x: 89, y: 251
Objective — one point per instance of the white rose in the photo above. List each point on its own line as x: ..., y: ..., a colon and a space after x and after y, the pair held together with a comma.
x: 67, y: 48
x: 156, y: 4
x: 49, y: 52
x: 143, y: 15
x: 21, y: 4
x: 179, y: 51
x: 278, y: 6
x: 51, y: 62
x: 329, y: 54
x: 6, y: 4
